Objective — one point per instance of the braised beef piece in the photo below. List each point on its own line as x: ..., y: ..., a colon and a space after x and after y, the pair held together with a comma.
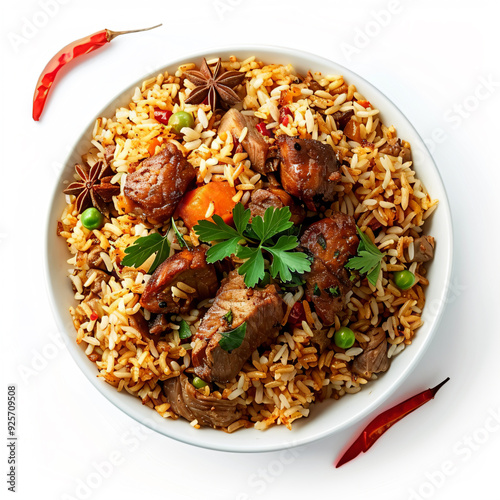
x: 312, y: 83
x: 423, y: 249
x: 96, y: 285
x: 393, y: 147
x: 92, y: 258
x: 233, y: 122
x: 262, y: 310
x: 374, y: 357
x: 154, y: 190
x: 138, y: 322
x: 158, y: 324
x: 189, y: 267
x: 342, y: 118
x: 308, y: 170
x: 109, y: 153
x: 331, y: 242
x: 187, y: 402
x: 262, y: 199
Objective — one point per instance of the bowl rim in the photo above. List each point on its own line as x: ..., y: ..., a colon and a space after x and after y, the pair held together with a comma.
x: 262, y: 52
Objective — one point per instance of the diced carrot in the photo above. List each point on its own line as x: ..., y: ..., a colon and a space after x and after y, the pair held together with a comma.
x: 365, y: 104
x: 195, y: 204
x: 152, y: 146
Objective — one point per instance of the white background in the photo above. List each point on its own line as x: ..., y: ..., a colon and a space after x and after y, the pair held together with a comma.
x: 438, y: 61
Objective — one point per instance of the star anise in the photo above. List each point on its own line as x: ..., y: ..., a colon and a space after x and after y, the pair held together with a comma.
x: 210, y: 83
x: 94, y: 187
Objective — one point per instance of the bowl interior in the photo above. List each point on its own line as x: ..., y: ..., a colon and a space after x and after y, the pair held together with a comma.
x: 327, y: 417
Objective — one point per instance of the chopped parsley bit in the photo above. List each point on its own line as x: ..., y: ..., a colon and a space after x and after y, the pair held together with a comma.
x: 334, y: 290
x: 337, y: 253
x: 368, y: 260
x: 321, y: 241
x: 317, y: 290
x: 184, y: 330
x: 232, y: 339
x: 143, y: 248
x: 271, y: 233
x: 180, y: 238
x: 229, y: 317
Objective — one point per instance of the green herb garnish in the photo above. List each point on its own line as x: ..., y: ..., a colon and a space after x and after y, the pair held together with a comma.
x: 317, y: 290
x: 334, y: 290
x: 321, y: 241
x: 143, y: 248
x: 229, y: 317
x: 248, y: 240
x: 232, y: 339
x: 180, y: 238
x: 184, y: 330
x: 368, y: 260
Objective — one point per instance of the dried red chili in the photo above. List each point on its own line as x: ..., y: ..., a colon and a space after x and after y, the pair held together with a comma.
x: 66, y: 55
x: 261, y: 127
x: 385, y: 420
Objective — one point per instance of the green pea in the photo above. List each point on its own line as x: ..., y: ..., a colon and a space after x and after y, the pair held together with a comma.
x: 198, y: 383
x: 180, y: 120
x: 92, y: 218
x: 344, y: 337
x: 404, y: 279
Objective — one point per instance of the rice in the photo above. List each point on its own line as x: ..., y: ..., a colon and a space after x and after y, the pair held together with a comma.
x: 280, y: 381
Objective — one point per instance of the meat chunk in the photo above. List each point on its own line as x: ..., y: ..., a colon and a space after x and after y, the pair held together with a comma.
x: 109, y: 153
x: 233, y: 122
x: 187, y: 402
x: 188, y: 267
x: 393, y: 147
x: 262, y: 310
x: 423, y: 249
x: 308, y: 169
x: 262, y: 199
x: 331, y: 242
x: 158, y: 324
x: 138, y: 322
x: 96, y: 285
x: 153, y: 191
x: 374, y: 358
x: 342, y: 118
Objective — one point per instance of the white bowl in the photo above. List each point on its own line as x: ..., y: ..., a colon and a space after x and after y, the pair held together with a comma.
x: 330, y: 416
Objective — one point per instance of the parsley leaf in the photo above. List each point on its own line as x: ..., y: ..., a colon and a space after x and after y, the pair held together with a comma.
x: 317, y: 290
x: 368, y: 260
x: 253, y: 268
x: 229, y: 317
x: 334, y: 290
x: 184, y: 330
x: 232, y: 339
x: 285, y: 261
x: 143, y: 248
x: 180, y: 238
x: 274, y: 222
x: 241, y: 241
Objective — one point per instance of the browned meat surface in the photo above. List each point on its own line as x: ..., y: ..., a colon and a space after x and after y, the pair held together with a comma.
x: 262, y: 199
x: 109, y: 153
x: 308, y: 170
x: 331, y: 241
x: 158, y: 324
x: 92, y: 259
x: 188, y: 267
x: 187, y: 402
x: 393, y: 147
x: 261, y: 309
x: 154, y: 190
x: 423, y: 249
x: 233, y: 122
x: 138, y: 322
x: 312, y: 83
x: 96, y: 285
x: 374, y: 358
x: 342, y: 118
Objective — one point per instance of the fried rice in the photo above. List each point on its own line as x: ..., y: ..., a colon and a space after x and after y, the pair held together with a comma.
x: 278, y: 384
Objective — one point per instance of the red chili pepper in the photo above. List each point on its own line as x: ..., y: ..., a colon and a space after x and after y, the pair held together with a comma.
x: 285, y: 114
x: 261, y: 127
x: 162, y: 115
x: 365, y: 104
x: 297, y: 314
x: 385, y: 420
x: 66, y: 55
x: 93, y: 316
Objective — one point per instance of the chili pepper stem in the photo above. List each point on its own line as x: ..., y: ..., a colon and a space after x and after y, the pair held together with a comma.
x: 114, y: 34
x: 435, y: 389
